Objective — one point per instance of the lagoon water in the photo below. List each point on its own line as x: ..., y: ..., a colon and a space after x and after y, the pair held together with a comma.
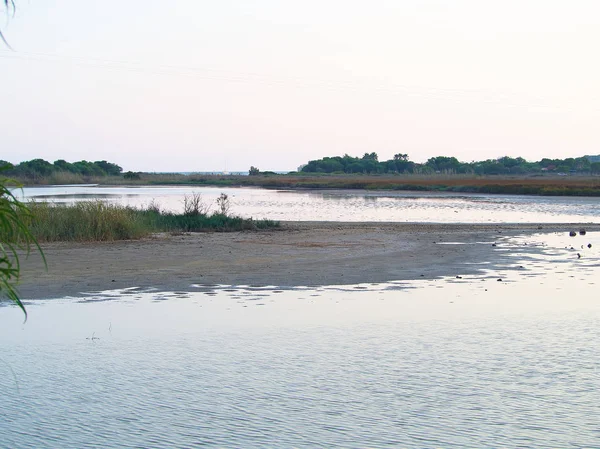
x: 467, y: 362
x: 344, y: 205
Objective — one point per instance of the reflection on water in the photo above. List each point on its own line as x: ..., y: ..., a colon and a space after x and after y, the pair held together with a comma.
x: 459, y: 362
x: 69, y: 198
x: 346, y: 205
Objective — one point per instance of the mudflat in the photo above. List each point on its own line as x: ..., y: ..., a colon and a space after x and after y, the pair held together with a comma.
x: 297, y: 254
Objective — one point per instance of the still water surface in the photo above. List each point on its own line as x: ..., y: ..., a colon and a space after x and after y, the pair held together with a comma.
x: 345, y: 205
x: 462, y: 363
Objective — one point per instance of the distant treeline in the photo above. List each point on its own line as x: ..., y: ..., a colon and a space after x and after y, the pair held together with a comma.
x: 39, y: 168
x: 506, y: 165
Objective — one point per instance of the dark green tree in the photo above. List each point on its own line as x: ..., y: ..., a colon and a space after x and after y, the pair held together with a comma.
x: 34, y: 168
x: 370, y: 157
x: 62, y: 165
x: 132, y: 176
x: 109, y: 168
x: 5, y: 165
x: 443, y: 163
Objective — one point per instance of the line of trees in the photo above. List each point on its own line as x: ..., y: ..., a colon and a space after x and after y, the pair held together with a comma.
x: 369, y: 163
x: 39, y: 168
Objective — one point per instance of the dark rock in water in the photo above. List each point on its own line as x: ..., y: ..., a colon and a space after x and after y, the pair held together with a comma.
x: 499, y: 279
x: 572, y: 233
x: 589, y: 245
x: 582, y: 231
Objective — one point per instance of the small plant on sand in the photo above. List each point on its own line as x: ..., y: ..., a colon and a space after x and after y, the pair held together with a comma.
x: 224, y: 204
x: 153, y: 206
x: 194, y: 206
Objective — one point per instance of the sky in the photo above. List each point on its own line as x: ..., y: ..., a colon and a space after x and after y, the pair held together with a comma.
x: 195, y: 85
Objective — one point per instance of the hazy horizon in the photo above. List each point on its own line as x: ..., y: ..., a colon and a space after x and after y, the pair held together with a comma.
x: 201, y: 86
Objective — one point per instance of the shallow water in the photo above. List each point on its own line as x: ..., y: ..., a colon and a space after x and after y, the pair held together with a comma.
x: 456, y: 362
x: 345, y: 205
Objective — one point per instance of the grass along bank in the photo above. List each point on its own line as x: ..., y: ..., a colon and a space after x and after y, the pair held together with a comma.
x: 535, y: 184
x: 575, y: 185
x: 101, y: 221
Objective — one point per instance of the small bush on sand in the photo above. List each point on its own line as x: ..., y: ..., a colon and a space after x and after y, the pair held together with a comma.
x: 193, y: 205
x: 223, y: 204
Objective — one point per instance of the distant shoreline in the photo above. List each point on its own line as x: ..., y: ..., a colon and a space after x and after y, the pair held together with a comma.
x: 300, y: 254
x: 537, y: 185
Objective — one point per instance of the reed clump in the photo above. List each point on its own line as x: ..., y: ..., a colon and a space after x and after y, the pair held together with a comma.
x: 64, y: 178
x: 85, y: 221
x: 102, y: 221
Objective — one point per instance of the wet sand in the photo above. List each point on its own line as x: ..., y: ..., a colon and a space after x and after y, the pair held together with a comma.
x: 298, y: 254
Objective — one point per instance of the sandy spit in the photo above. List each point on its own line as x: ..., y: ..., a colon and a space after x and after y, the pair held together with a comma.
x: 300, y: 253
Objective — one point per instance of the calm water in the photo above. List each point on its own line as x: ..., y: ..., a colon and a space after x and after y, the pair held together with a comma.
x: 462, y: 363
x: 344, y: 205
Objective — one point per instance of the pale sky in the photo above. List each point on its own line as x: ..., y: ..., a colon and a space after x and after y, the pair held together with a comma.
x: 194, y: 85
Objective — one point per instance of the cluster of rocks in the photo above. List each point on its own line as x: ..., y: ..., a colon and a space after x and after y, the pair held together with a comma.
x: 581, y: 232
x: 574, y: 233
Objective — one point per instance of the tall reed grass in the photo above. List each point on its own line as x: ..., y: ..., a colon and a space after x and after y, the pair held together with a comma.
x: 101, y: 221
x: 64, y: 177
x: 85, y: 221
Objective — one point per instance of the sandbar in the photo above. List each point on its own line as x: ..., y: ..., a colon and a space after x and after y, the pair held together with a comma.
x: 297, y: 254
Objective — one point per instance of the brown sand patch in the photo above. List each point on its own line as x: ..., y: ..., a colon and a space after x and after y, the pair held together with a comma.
x: 305, y: 253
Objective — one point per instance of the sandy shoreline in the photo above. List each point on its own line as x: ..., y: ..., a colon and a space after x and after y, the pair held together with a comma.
x: 300, y: 253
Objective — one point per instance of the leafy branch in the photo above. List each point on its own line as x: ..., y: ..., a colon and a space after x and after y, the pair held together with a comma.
x: 14, y: 237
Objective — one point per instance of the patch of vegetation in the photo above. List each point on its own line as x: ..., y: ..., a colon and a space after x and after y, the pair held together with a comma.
x: 547, y: 184
x: 132, y: 176
x: 167, y: 221
x: 101, y: 221
x: 85, y: 221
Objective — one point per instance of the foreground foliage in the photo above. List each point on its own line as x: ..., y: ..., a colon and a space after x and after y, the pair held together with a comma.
x: 14, y: 237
